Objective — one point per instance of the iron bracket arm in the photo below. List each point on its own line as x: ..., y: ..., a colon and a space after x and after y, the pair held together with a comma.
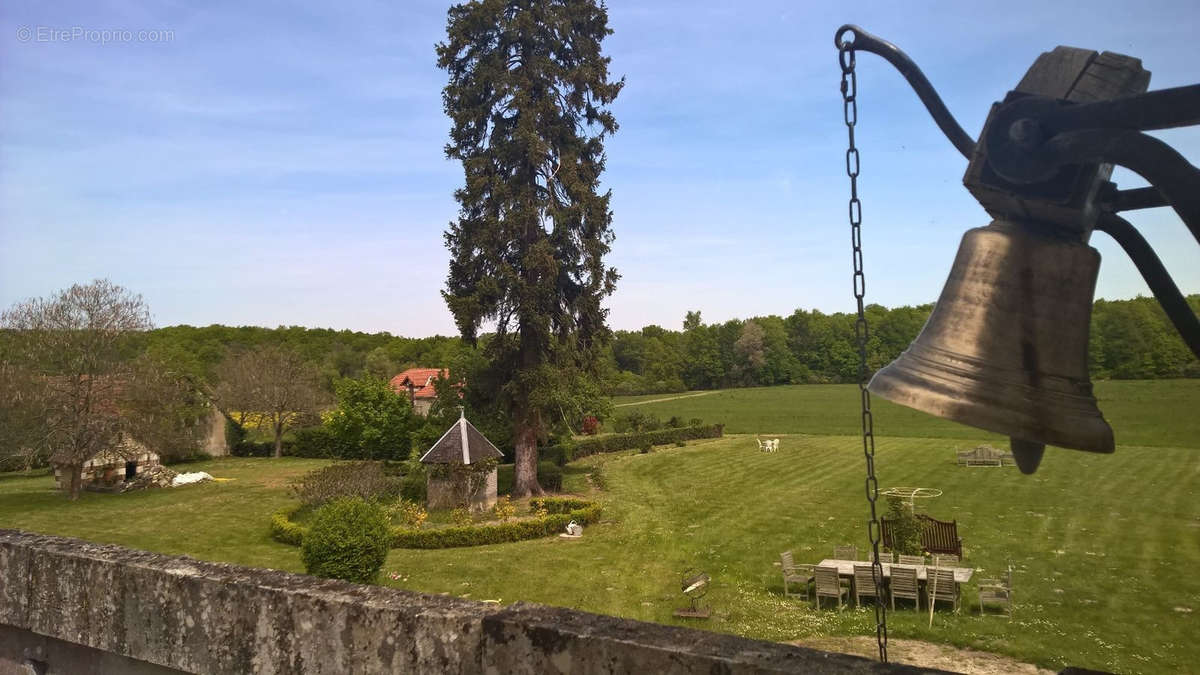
x: 1156, y: 276
x: 850, y: 38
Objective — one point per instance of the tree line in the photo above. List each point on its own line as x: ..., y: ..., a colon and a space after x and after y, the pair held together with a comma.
x: 1130, y: 339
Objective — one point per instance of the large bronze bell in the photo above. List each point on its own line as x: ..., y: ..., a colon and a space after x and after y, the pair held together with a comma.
x: 1005, y: 348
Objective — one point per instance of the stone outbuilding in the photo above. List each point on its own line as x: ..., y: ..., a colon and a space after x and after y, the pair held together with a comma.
x: 109, y: 468
x: 462, y: 444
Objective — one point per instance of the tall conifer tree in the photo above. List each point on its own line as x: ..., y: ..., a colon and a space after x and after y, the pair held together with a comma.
x: 528, y: 93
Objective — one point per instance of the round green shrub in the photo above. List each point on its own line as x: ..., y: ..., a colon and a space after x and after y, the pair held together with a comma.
x: 349, y: 539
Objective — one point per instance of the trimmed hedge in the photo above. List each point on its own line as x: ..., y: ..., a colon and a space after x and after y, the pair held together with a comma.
x: 561, y: 454
x: 562, y: 511
x: 284, y: 530
x: 559, y: 504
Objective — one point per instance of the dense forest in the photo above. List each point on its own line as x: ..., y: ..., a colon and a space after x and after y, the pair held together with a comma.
x: 1130, y: 339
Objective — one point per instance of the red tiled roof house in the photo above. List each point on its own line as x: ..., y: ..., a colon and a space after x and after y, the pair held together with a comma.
x: 418, y: 385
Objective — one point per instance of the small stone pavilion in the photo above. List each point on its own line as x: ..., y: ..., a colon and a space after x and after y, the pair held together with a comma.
x: 461, y: 444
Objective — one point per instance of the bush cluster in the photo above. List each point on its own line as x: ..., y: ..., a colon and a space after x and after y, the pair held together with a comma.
x: 560, y: 511
x: 550, y: 476
x: 349, y: 539
x: 414, y: 484
x: 904, y: 528
x: 311, y: 442
x: 560, y: 455
x: 365, y: 480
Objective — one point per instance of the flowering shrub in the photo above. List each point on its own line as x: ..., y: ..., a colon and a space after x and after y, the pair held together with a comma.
x: 410, y: 514
x: 591, y: 425
x: 505, y: 509
x: 460, y: 516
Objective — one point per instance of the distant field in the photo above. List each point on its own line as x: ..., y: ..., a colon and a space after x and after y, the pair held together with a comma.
x: 1141, y: 412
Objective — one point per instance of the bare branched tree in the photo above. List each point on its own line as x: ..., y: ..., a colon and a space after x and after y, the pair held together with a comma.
x: 23, y: 440
x: 270, y: 385
x: 69, y: 371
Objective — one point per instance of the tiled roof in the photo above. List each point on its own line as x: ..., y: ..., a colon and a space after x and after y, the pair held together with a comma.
x: 422, y: 380
x: 461, y: 444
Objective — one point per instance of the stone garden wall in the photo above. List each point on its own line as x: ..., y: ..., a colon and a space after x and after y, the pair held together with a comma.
x: 69, y: 606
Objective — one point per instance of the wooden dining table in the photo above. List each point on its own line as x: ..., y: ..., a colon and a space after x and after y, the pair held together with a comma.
x: 845, y: 568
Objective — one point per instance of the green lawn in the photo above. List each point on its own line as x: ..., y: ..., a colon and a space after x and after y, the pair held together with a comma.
x: 1141, y: 412
x: 1104, y: 547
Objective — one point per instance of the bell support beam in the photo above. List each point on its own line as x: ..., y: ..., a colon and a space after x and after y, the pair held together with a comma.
x: 1156, y: 276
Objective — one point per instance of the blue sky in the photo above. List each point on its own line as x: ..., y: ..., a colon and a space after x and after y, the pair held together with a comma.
x: 282, y: 163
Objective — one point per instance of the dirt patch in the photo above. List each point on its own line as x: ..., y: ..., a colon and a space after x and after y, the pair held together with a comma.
x: 928, y: 655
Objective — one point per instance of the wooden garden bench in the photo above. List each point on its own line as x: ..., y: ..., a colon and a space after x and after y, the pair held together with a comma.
x: 937, y: 536
x: 985, y: 455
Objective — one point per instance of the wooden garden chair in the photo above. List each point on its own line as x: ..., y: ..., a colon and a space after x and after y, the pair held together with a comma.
x: 845, y: 552
x: 795, y: 574
x: 864, y: 584
x: 997, y: 592
x: 829, y: 585
x: 918, y: 560
x: 940, y: 585
x: 945, y: 560
x: 904, y: 584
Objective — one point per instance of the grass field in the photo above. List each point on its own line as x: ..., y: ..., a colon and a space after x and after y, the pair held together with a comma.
x: 1141, y: 412
x: 1104, y: 547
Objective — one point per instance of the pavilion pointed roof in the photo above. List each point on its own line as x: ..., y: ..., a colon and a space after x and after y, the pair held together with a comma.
x: 461, y: 444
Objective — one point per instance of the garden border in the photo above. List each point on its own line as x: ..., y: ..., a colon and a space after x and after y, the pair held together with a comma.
x: 561, y: 511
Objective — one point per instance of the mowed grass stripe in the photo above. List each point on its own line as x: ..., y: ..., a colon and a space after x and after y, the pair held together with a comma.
x: 1141, y: 412
x: 1003, y: 516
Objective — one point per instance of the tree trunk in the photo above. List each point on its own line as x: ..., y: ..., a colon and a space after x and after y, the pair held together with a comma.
x: 525, y: 481
x: 75, y: 484
x: 278, y: 440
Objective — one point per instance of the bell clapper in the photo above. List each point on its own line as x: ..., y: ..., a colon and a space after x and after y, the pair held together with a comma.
x: 1028, y: 454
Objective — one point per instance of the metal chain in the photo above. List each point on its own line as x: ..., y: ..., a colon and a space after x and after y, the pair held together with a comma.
x: 850, y: 114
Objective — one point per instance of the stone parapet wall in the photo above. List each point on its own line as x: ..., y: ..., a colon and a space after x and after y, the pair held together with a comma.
x: 62, y: 600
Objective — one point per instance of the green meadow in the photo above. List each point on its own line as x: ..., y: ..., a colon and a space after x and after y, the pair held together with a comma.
x: 1103, y: 547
